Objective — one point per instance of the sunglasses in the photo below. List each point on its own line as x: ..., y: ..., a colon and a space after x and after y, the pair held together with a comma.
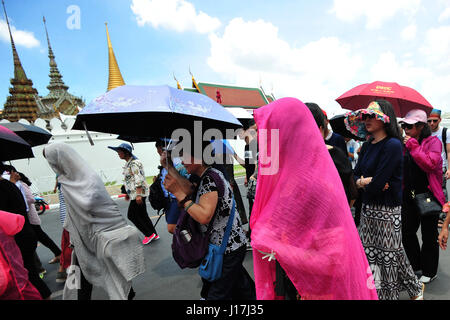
x: 407, y: 126
x: 433, y: 121
x: 368, y: 116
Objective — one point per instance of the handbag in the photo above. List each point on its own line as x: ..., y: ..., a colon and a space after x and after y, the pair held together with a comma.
x: 426, y: 204
x: 211, y: 267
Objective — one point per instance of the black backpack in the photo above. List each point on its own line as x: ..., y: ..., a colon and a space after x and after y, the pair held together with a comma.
x: 156, y: 197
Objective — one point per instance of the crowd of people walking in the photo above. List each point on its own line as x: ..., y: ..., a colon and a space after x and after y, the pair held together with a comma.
x: 335, y: 212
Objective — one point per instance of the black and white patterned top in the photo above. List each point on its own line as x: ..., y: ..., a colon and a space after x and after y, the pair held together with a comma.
x: 237, y: 236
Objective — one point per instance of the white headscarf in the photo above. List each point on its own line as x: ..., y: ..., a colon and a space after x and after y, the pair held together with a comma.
x: 107, y: 249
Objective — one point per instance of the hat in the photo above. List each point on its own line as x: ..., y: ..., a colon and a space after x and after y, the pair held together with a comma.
x: 123, y: 146
x: 435, y: 112
x: 354, y: 120
x: 414, y: 116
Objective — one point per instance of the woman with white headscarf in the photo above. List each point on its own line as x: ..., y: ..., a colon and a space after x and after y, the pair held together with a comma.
x: 105, y: 247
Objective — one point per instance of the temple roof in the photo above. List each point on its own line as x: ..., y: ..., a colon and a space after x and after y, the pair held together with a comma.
x: 231, y: 96
x: 21, y: 103
x: 234, y: 96
x: 56, y: 82
x: 59, y: 99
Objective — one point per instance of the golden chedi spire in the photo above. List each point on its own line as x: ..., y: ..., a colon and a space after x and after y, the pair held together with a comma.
x: 115, y: 77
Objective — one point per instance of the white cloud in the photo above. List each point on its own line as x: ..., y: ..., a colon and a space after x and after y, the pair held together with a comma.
x: 389, y: 69
x: 409, y: 33
x: 376, y: 12
x: 426, y: 81
x: 21, y: 37
x: 445, y: 15
x: 318, y: 71
x: 437, y: 46
x: 177, y: 15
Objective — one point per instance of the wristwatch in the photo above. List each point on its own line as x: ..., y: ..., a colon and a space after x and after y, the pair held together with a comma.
x: 183, y: 202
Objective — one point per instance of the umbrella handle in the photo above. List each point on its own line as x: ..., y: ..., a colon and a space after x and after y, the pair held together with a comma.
x: 88, y: 135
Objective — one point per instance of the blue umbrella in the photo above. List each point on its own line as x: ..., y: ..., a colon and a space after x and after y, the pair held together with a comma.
x: 152, y: 111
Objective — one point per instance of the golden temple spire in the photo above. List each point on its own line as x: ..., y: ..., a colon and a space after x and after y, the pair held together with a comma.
x: 115, y: 77
x: 194, y: 83
x: 178, y: 83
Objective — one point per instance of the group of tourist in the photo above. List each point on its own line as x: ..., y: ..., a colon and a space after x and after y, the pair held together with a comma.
x: 306, y: 242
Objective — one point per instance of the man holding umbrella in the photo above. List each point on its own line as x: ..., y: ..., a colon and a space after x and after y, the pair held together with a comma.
x: 137, y: 190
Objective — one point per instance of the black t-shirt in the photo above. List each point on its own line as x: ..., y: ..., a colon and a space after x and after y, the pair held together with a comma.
x: 414, y: 178
x: 11, y: 200
x: 344, y: 168
x: 250, y: 158
x: 337, y: 141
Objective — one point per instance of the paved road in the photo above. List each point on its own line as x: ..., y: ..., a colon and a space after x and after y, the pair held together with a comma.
x: 164, y: 280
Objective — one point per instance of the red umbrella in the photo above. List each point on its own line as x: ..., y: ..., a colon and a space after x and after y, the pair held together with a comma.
x: 402, y: 98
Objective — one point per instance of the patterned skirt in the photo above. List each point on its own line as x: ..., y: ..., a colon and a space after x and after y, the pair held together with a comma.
x: 380, y: 230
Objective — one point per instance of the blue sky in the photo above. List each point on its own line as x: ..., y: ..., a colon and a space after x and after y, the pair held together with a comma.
x: 312, y: 50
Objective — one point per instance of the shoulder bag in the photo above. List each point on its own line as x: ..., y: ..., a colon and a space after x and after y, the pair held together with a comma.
x: 211, y: 267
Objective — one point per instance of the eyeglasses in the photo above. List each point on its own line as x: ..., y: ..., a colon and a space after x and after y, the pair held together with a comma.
x: 433, y: 120
x: 367, y: 116
x: 407, y: 126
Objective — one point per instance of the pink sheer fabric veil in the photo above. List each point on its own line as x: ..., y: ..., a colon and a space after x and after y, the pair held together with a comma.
x: 16, y: 285
x: 301, y: 212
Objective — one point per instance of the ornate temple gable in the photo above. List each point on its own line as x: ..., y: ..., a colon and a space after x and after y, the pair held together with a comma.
x: 235, y: 96
x: 59, y: 100
x: 231, y: 96
x: 21, y: 103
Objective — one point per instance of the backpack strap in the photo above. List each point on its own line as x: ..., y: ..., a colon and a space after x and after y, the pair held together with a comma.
x: 226, y: 235
x: 444, y: 140
x: 218, y: 181
x: 221, y: 192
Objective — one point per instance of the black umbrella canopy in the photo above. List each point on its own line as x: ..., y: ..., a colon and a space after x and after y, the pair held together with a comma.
x: 13, y: 147
x: 153, y: 111
x: 148, y: 125
x: 135, y: 139
x: 34, y: 135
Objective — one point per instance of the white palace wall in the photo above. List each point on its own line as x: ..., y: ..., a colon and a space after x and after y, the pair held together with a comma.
x: 103, y: 160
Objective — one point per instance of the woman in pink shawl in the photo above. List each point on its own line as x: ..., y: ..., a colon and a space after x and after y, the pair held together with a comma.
x: 422, y: 174
x: 301, y: 216
x: 14, y: 283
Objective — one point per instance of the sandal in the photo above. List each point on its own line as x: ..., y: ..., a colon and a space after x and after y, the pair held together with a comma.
x: 55, y: 260
x: 420, y: 296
